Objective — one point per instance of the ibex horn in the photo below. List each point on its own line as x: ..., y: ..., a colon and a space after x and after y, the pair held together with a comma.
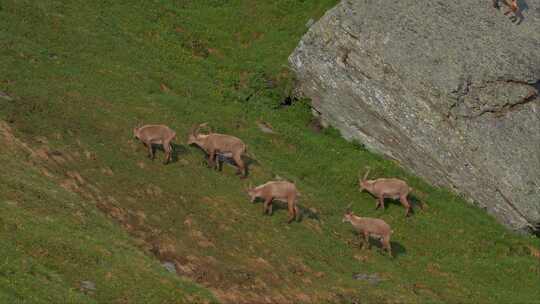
x: 205, y: 125
x: 193, y: 129
x: 367, y: 172
x: 348, y: 209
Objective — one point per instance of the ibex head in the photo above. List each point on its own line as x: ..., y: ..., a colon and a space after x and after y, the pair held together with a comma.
x: 363, y: 183
x: 194, y: 133
x: 348, y: 214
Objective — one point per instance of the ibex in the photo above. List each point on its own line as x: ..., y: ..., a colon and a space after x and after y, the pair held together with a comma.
x: 156, y: 135
x: 370, y: 227
x: 278, y: 190
x: 215, y: 143
x: 383, y: 188
x: 512, y: 7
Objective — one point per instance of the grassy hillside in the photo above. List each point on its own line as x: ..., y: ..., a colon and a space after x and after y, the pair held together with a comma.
x: 80, y: 201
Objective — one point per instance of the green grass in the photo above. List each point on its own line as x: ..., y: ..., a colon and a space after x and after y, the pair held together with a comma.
x: 84, y: 73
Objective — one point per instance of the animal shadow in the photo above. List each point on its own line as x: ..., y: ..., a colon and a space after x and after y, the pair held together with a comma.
x: 416, y: 203
x: 309, y: 213
x: 224, y: 159
x: 177, y: 151
x: 279, y: 205
x: 397, y: 248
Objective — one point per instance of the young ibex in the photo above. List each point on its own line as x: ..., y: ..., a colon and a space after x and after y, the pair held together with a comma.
x: 370, y: 227
x: 513, y: 7
x: 215, y: 143
x: 278, y: 190
x: 383, y: 188
x: 156, y: 135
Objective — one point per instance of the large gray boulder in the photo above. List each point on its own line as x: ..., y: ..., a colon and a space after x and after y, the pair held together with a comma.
x: 448, y: 88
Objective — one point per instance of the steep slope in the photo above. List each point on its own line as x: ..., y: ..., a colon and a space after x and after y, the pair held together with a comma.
x: 82, y: 74
x: 58, y: 248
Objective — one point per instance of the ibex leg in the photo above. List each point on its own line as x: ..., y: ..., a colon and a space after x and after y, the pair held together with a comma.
x: 167, y: 148
x: 241, y: 166
x: 380, y: 202
x: 366, y: 240
x: 406, y: 204
x: 211, y: 158
x: 266, y: 205
x: 387, y: 246
x: 150, y: 150
x: 291, y: 211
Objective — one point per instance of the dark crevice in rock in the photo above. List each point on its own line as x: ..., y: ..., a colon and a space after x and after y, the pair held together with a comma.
x: 536, y: 230
x: 466, y: 91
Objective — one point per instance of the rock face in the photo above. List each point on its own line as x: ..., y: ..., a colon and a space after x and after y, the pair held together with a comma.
x: 450, y: 89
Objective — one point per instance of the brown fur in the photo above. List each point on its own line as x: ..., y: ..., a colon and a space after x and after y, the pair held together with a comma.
x: 214, y: 143
x: 371, y: 227
x: 383, y: 188
x: 512, y: 5
x: 277, y: 190
x: 157, y: 135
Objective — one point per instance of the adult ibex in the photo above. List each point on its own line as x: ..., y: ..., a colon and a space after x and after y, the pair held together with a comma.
x: 156, y: 135
x: 382, y: 188
x: 370, y: 227
x: 215, y: 143
x: 277, y: 190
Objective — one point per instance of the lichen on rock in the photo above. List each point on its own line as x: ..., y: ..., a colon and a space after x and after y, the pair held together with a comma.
x: 449, y: 89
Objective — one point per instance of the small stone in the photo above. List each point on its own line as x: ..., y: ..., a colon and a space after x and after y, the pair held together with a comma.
x: 265, y: 127
x: 169, y: 266
x: 372, y: 278
x: 5, y: 96
x: 88, y: 286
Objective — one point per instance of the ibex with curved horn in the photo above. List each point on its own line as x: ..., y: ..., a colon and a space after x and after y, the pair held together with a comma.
x: 215, y: 143
x: 382, y: 188
x: 156, y: 135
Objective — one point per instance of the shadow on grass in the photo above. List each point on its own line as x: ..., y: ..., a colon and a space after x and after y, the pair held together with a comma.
x: 176, y: 151
x: 397, y: 248
x: 224, y: 159
x: 303, y: 212
x: 416, y: 204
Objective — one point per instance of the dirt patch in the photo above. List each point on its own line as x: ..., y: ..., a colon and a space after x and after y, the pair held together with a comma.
x: 535, y: 252
x: 153, y: 190
x: 107, y: 171
x: 76, y: 176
